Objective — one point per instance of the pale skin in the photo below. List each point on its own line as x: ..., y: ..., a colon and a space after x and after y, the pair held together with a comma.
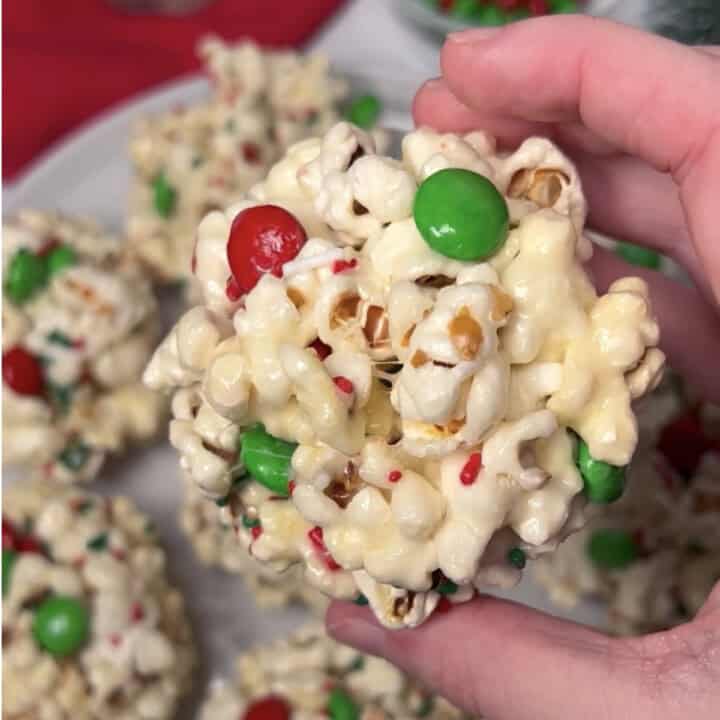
x: 641, y: 118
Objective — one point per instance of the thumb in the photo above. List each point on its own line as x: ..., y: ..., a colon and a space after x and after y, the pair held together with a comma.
x: 508, y: 662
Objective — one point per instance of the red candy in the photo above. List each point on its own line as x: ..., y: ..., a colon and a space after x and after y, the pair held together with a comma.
x: 344, y: 385
x: 316, y: 538
x: 22, y: 372
x: 683, y: 442
x: 270, y: 707
x: 262, y: 239
x: 538, y: 7
x: 10, y: 536
x: 394, y: 475
x: 469, y: 473
x: 28, y: 544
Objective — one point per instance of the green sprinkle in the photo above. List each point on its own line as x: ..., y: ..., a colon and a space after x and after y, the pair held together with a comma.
x: 360, y: 600
x: 341, y: 706
x: 61, y: 396
x: 640, y: 256
x: 426, y: 707
x: 364, y: 111
x: 8, y: 562
x: 249, y: 522
x: 447, y: 587
x: 223, y: 501
x: 357, y: 664
x: 84, y: 507
x: 197, y: 161
x: 59, y: 338
x: 75, y: 455
x: 516, y: 557
x: 164, y: 196
x: 97, y: 543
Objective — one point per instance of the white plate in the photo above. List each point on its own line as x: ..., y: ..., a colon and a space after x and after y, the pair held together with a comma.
x: 89, y: 174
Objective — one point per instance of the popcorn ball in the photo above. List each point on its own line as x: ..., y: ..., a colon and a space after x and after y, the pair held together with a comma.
x: 308, y: 675
x: 91, y: 627
x: 401, y: 377
x: 213, y: 539
x: 79, y: 325
x: 193, y: 159
x: 655, y: 555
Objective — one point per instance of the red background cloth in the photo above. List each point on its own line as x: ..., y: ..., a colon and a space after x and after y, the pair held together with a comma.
x: 66, y: 60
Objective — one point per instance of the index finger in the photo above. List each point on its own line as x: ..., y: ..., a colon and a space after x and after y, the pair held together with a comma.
x: 648, y: 96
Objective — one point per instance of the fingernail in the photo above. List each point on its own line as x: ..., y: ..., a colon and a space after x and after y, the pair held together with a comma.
x: 476, y: 35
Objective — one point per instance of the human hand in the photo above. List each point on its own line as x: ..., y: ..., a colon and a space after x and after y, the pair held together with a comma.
x: 641, y: 118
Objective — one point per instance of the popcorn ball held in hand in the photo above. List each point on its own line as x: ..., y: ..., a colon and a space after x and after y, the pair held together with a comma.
x: 401, y: 376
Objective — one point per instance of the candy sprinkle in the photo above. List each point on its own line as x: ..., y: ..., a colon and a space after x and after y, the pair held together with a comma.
x: 256, y: 531
x: 471, y: 469
x: 339, y: 266
x: 344, y: 385
x: 317, y: 539
x: 516, y: 557
x: 321, y: 349
x: 393, y: 476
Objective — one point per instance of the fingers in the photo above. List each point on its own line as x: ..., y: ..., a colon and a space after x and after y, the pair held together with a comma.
x: 506, y: 661
x: 646, y: 95
x: 689, y: 326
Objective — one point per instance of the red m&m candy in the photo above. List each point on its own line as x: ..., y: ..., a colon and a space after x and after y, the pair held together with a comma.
x: 270, y: 707
x: 262, y: 239
x: 22, y: 372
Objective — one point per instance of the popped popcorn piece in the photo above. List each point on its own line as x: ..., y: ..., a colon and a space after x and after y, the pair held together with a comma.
x: 80, y: 328
x: 100, y: 556
x: 299, y: 676
x: 413, y: 417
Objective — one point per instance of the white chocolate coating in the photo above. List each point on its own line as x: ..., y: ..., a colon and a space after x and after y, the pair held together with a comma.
x: 675, y: 524
x: 138, y: 658
x: 94, y: 325
x: 451, y: 447
x: 302, y: 670
x: 209, y: 153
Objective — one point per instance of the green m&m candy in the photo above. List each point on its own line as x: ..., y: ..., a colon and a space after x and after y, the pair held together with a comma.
x: 341, y: 706
x: 267, y: 459
x: 638, y: 255
x: 61, y: 625
x: 26, y: 274
x: 364, y: 111
x: 8, y: 560
x: 461, y: 215
x: 611, y: 549
x: 491, y: 15
x: 164, y: 196
x: 563, y: 6
x: 60, y: 258
x: 604, y: 483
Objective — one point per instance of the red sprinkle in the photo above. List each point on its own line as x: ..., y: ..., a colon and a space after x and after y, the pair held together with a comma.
x: 342, y: 265
x: 256, y: 531
x: 469, y: 473
x: 115, y: 639
x: 232, y: 290
x: 320, y: 348
x: 538, y: 7
x: 291, y: 487
x: 444, y: 605
x: 79, y: 562
x: 119, y: 554
x: 446, y: 5
x: 29, y: 544
x: 344, y: 385
x: 270, y: 707
x: 137, y: 612
x: 251, y: 153
x: 394, y: 475
x: 316, y: 538
x: 10, y: 536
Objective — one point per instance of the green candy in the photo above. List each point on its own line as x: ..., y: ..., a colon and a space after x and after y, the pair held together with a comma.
x: 8, y: 561
x: 466, y: 9
x: 267, y: 459
x: 604, y: 483
x: 637, y: 255
x: 61, y: 625
x: 461, y: 215
x: 360, y: 600
x: 60, y: 258
x: 611, y: 549
x: 446, y: 587
x: 492, y: 15
x: 516, y: 557
x: 364, y: 111
x: 563, y: 6
x: 341, y: 706
x: 519, y: 14
x: 164, y: 196
x: 26, y: 274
